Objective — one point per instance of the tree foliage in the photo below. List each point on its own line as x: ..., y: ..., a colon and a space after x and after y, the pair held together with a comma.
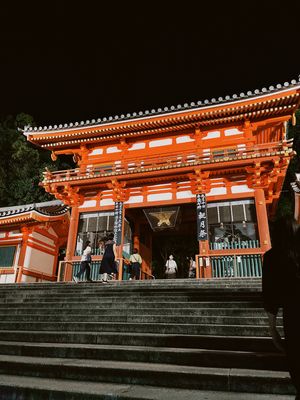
x: 21, y: 164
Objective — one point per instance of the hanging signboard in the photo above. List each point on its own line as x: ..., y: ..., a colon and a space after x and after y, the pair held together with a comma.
x: 202, y: 225
x: 118, y: 222
x: 161, y: 218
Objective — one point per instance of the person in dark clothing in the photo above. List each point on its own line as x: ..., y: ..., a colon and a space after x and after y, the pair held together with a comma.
x: 108, y: 262
x: 281, y: 288
x: 136, y: 262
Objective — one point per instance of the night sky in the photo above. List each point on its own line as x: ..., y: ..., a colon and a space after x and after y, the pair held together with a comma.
x: 62, y: 62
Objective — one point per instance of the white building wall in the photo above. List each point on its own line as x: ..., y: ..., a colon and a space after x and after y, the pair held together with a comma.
x: 7, y: 278
x: 28, y: 279
x: 43, y: 238
x: 38, y: 260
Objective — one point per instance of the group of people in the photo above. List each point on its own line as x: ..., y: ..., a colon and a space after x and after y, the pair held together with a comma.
x: 108, y: 266
x: 171, y: 269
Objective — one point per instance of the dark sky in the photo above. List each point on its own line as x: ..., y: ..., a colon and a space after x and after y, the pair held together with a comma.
x: 62, y: 62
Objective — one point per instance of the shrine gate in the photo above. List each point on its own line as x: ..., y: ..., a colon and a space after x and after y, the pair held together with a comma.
x: 209, y: 173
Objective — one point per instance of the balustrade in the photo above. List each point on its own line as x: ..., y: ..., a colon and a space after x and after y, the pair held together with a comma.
x: 165, y: 162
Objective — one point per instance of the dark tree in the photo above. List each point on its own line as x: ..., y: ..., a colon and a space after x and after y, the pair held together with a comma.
x: 22, y: 164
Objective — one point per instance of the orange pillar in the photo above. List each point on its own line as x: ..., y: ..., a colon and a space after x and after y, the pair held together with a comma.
x: 262, y: 220
x: 71, y: 242
x: 25, y: 233
x: 136, y: 235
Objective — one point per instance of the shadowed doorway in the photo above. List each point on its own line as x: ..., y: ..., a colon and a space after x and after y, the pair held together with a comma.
x: 180, y: 241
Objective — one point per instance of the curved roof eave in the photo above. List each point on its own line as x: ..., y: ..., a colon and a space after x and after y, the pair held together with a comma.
x: 167, y: 111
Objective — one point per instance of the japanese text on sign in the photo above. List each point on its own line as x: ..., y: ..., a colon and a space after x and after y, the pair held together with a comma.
x: 118, y: 222
x: 202, y: 226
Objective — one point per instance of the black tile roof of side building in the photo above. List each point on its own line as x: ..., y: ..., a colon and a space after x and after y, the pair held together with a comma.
x: 49, y: 208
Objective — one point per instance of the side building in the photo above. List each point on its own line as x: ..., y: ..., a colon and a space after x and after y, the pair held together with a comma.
x: 197, y: 180
x: 31, y: 237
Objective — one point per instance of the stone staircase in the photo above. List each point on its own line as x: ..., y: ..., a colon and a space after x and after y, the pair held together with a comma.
x: 179, y: 339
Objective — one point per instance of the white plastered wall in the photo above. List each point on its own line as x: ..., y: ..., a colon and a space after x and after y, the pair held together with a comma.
x: 38, y: 260
x: 7, y: 278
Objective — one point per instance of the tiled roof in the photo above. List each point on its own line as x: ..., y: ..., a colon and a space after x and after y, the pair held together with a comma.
x: 49, y: 208
x: 168, y: 110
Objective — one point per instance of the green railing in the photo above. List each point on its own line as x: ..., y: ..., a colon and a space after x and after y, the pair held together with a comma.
x: 95, y: 271
x: 95, y: 266
x: 241, y: 266
x: 239, y: 244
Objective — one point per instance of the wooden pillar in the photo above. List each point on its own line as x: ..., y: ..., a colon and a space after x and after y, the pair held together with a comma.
x: 297, y: 207
x: 262, y: 220
x: 136, y: 235
x: 71, y: 242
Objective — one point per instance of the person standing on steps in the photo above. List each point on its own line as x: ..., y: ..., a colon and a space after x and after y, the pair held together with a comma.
x: 108, y: 262
x: 171, y: 268
x: 281, y: 289
x: 85, y: 261
x: 135, y: 264
x: 192, y: 268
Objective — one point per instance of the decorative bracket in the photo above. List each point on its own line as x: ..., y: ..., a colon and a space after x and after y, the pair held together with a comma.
x: 200, y: 182
x: 67, y: 194
x: 119, y: 191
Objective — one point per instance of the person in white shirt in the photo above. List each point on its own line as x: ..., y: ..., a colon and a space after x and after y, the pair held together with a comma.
x: 171, y: 268
x: 135, y: 264
x: 192, y: 268
x: 85, y: 263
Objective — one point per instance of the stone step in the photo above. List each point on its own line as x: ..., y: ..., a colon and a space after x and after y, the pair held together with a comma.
x: 156, y: 282
x: 191, y: 334
x: 25, y: 388
x: 165, y: 375
x: 201, y: 295
x: 108, y: 289
x: 133, y: 295
x: 242, y: 312
x: 123, y: 286
x: 238, y: 343
x: 148, y: 354
x: 132, y: 304
x: 140, y: 318
x: 175, y: 328
x: 144, y: 339
x: 154, y: 297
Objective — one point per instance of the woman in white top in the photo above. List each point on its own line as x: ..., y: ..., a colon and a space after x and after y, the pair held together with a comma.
x: 135, y: 263
x: 171, y: 268
x: 85, y: 263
